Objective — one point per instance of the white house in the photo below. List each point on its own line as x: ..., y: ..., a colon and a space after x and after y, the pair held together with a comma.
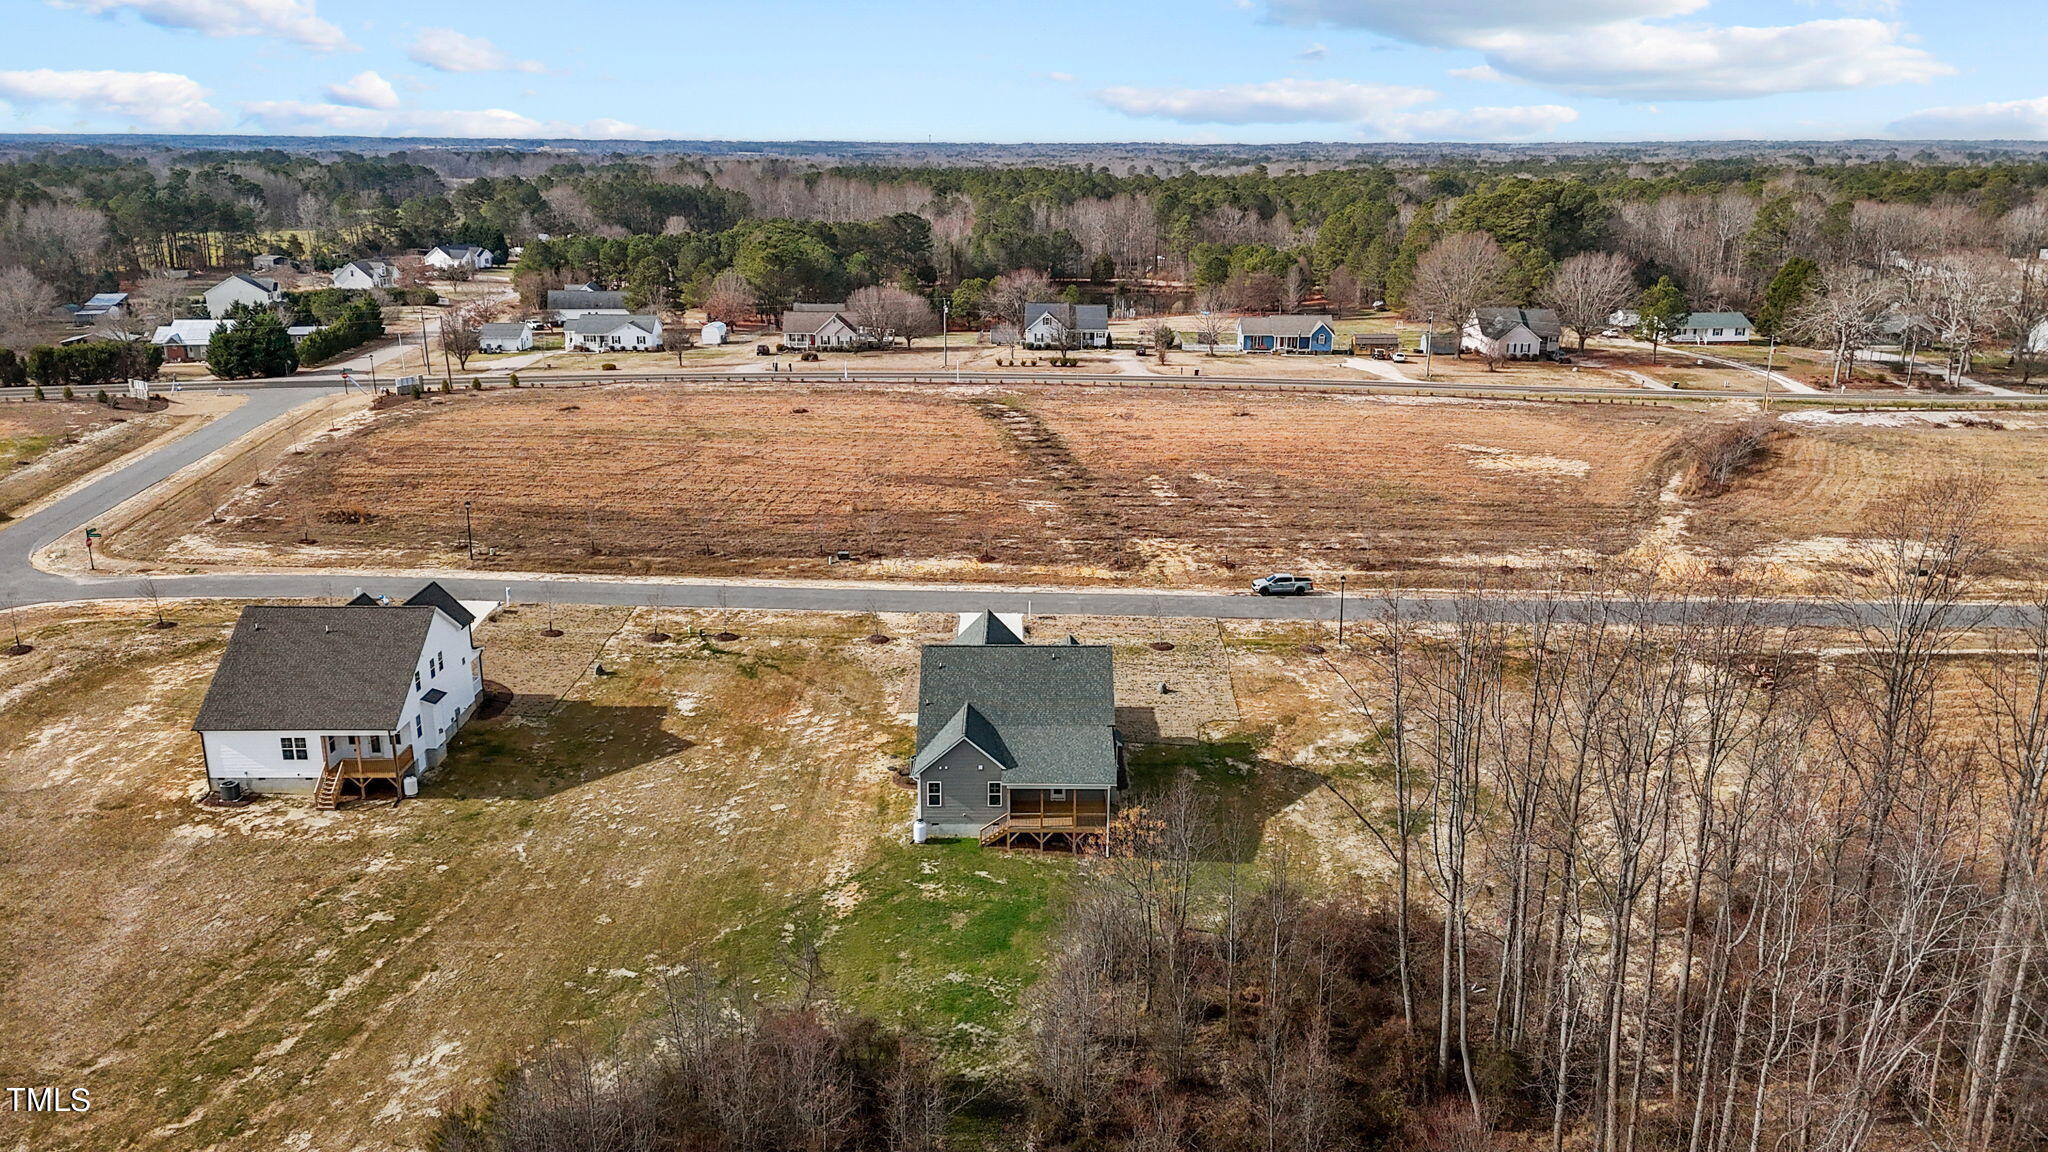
x: 364, y: 275
x: 510, y: 337
x: 448, y: 257
x: 566, y: 304
x: 185, y: 341
x: 335, y: 701
x: 1066, y: 325
x: 242, y: 288
x: 1512, y: 333
x: 1713, y: 328
x: 103, y: 306
x: 713, y: 333
x: 812, y: 328
x: 607, y: 333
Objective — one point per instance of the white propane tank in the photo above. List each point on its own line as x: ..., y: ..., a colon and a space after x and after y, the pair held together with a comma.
x: 411, y: 786
x: 919, y: 831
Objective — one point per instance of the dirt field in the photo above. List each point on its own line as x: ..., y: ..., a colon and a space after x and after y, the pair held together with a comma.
x: 1184, y: 487
x: 279, y: 977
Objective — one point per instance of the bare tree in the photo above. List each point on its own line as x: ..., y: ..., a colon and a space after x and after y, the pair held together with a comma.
x: 24, y: 299
x: 1843, y: 316
x: 1211, y: 308
x: 730, y: 298
x: 886, y: 312
x: 461, y: 332
x: 1458, y: 275
x: 1009, y: 293
x: 1587, y: 289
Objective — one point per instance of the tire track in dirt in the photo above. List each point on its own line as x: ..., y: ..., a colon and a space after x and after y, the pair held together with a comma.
x: 1085, y: 515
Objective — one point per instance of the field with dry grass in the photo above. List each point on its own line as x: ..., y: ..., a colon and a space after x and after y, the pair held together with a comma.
x: 274, y: 976
x: 47, y: 444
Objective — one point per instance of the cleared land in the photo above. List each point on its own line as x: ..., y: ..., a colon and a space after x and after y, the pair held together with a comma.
x: 278, y: 977
x: 1077, y: 485
x: 45, y: 445
x: 1182, y: 486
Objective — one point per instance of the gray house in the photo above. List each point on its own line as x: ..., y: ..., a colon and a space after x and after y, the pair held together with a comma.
x: 1066, y: 325
x: 1016, y: 743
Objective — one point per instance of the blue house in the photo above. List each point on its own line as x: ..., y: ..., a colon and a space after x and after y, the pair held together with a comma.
x: 1306, y: 334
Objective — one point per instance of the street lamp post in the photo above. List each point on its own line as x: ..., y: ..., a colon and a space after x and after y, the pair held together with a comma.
x: 945, y: 334
x: 1428, y: 346
x: 468, y: 533
x: 1342, y: 580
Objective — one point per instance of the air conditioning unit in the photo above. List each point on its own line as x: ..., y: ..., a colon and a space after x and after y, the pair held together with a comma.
x: 231, y: 791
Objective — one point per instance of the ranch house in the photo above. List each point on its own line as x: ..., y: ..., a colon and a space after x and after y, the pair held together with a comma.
x: 1713, y: 328
x: 339, y: 701
x: 813, y: 327
x: 1513, y: 333
x: 608, y: 333
x: 1016, y: 743
x: 1306, y: 335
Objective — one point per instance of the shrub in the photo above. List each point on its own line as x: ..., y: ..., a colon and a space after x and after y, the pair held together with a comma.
x: 513, y: 379
x: 347, y: 514
x: 101, y: 397
x: 69, y: 394
x: 609, y: 367
x: 39, y: 393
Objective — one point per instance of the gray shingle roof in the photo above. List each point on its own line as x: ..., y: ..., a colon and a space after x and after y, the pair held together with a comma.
x: 435, y: 596
x: 601, y: 325
x: 509, y: 330
x: 560, y: 298
x: 326, y: 669
x: 1282, y: 325
x: 810, y: 320
x: 1074, y: 317
x: 1050, y: 707
x: 1717, y: 320
x: 818, y: 307
x: 1497, y: 322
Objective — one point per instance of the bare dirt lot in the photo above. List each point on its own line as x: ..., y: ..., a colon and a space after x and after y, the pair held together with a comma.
x: 278, y: 977
x: 1077, y: 485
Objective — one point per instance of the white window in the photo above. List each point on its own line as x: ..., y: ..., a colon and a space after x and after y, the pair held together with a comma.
x: 419, y: 726
x: 292, y: 747
x: 1059, y: 795
x: 415, y: 681
x: 934, y: 794
x: 1717, y: 331
x: 995, y: 794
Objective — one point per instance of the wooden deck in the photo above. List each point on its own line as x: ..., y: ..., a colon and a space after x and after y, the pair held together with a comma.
x: 360, y: 772
x: 1073, y: 831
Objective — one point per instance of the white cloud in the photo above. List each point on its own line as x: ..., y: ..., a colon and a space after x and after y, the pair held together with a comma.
x: 149, y: 99
x: 1482, y: 73
x: 364, y: 90
x: 2001, y: 120
x: 1376, y: 109
x: 291, y: 20
x: 1701, y: 62
x: 300, y: 117
x: 446, y: 50
x: 1314, y: 52
x: 1611, y: 48
x: 1060, y: 77
x: 1273, y: 102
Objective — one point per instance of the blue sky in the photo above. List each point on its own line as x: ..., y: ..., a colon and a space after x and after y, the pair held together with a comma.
x: 1055, y: 70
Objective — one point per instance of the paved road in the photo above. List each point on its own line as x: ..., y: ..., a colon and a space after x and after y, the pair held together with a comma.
x: 22, y: 583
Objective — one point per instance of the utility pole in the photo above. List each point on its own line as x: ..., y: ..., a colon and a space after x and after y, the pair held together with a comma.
x: 945, y: 334
x: 1428, y: 346
x: 1770, y: 360
x: 1342, y: 580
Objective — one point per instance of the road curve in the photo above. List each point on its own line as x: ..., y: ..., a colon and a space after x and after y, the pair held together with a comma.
x: 21, y: 583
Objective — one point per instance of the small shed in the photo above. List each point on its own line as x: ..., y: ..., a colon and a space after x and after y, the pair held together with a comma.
x: 1376, y: 341
x: 713, y: 333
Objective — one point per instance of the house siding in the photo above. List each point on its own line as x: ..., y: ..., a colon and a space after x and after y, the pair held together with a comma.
x: 965, y: 774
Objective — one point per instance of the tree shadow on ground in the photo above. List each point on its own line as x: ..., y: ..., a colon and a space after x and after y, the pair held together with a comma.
x: 539, y: 752
x: 1233, y: 791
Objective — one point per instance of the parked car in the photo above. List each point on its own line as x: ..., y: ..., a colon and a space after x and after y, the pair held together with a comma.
x: 1400, y: 357
x: 1282, y: 584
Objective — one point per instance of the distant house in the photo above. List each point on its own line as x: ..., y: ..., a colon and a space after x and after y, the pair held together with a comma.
x: 1370, y: 342
x: 364, y: 275
x: 814, y: 327
x: 609, y: 333
x: 104, y: 306
x: 1302, y: 334
x: 1437, y: 344
x: 1512, y: 333
x: 272, y: 261
x: 516, y: 336
x: 1713, y: 328
x: 448, y: 257
x: 1016, y: 742
x: 334, y: 701
x: 242, y: 288
x: 185, y: 341
x: 1066, y: 326
x: 566, y: 304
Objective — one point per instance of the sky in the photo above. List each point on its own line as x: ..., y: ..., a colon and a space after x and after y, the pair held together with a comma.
x: 1199, y: 71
